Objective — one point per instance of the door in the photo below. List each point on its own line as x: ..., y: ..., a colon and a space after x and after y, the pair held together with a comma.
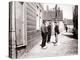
x: 19, y: 24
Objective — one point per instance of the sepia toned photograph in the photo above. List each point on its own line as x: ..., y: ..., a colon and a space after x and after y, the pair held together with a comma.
x: 39, y: 30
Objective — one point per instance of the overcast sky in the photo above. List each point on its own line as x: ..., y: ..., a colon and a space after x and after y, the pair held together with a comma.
x: 67, y: 9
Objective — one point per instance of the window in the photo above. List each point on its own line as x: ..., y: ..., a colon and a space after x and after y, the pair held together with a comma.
x: 37, y: 20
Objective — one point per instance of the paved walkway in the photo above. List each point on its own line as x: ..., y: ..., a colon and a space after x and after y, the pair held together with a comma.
x: 66, y: 46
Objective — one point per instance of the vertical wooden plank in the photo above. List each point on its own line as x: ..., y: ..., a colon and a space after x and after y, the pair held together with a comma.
x: 12, y: 38
x: 25, y: 23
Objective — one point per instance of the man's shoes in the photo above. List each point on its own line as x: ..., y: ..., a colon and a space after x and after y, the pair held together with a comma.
x: 44, y: 47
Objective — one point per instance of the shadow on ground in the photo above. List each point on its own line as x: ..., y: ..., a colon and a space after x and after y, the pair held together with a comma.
x: 71, y: 36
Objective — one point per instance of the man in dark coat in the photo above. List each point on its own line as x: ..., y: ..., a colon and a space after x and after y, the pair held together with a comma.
x: 56, y: 29
x: 43, y: 34
x: 66, y: 27
x: 49, y: 32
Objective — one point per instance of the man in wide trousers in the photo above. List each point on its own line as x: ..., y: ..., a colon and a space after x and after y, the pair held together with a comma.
x: 49, y: 32
x: 43, y: 34
x: 56, y: 29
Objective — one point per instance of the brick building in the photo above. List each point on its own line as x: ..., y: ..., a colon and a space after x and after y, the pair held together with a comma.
x: 51, y: 14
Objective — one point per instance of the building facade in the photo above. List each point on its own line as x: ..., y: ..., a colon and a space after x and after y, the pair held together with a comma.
x: 25, y: 19
x: 34, y: 20
x: 55, y: 14
x: 75, y: 21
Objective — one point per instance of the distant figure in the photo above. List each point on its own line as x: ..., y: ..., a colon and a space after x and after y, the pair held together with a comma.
x: 43, y: 34
x: 66, y: 28
x: 49, y: 32
x: 56, y: 31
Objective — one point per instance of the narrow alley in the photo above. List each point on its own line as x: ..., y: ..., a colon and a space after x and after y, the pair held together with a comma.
x: 66, y: 46
x: 31, y: 24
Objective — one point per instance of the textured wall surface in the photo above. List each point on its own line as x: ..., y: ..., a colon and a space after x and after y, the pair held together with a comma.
x: 32, y: 33
x: 12, y: 38
x: 22, y: 29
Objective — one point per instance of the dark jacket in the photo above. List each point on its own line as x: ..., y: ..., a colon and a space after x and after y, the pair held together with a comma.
x: 56, y: 29
x: 49, y: 29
